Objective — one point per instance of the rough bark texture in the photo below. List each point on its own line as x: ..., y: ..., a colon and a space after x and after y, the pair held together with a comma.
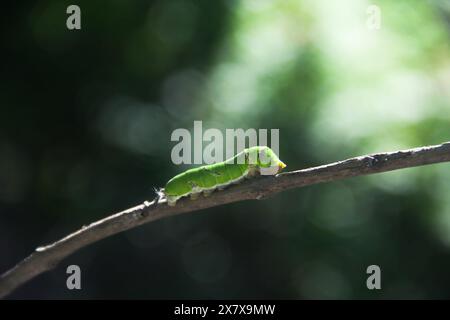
x: 47, y: 257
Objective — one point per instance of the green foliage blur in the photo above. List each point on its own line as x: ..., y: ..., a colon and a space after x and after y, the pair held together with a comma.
x: 86, y: 118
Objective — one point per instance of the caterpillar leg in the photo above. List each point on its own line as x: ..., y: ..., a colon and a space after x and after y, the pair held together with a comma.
x: 194, y: 196
x: 171, y: 201
x: 207, y: 193
x: 270, y: 171
x: 252, y: 172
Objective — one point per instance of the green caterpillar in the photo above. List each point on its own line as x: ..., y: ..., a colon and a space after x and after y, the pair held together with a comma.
x: 205, y: 179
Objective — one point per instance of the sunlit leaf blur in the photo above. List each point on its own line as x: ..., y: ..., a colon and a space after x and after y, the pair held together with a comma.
x: 86, y: 118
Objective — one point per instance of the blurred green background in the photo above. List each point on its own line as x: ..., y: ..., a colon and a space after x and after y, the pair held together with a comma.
x: 86, y: 118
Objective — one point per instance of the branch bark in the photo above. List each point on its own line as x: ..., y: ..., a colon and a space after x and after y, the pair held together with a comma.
x: 47, y: 257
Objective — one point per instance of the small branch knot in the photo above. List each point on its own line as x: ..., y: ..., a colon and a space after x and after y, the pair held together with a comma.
x: 375, y: 160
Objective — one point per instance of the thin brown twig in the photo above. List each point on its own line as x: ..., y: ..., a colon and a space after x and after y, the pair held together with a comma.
x: 47, y: 257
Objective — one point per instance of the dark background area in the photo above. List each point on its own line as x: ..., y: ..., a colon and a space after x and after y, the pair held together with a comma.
x: 86, y: 118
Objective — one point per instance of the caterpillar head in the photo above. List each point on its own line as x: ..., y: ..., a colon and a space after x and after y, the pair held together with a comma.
x: 265, y: 159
